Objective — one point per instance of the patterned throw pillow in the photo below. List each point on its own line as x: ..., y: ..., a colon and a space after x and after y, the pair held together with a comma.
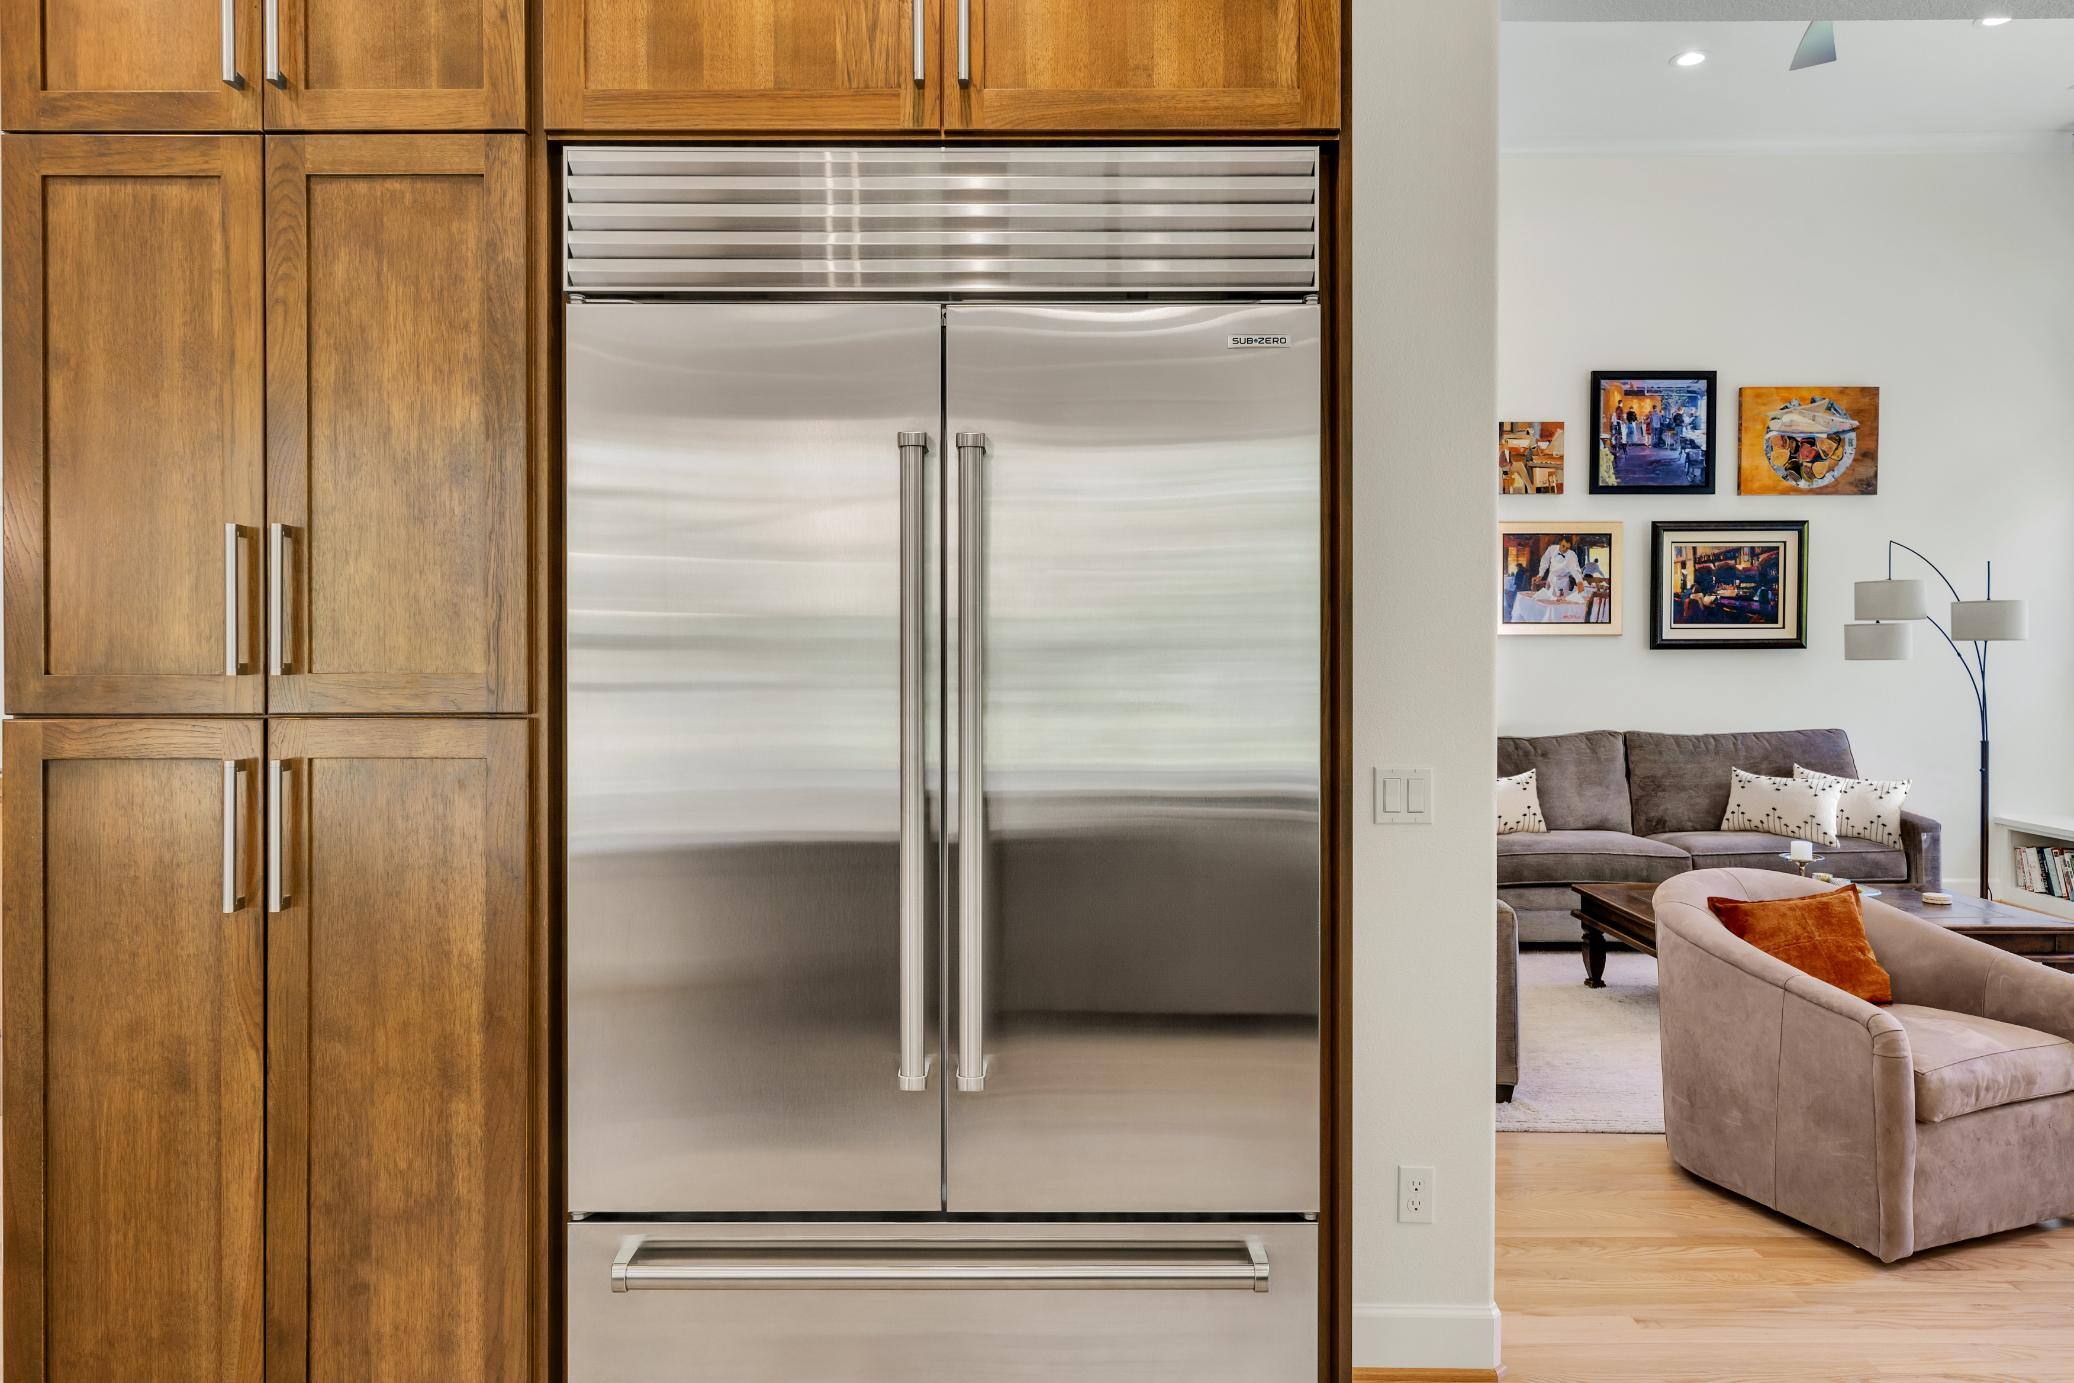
x: 1519, y: 804
x: 1791, y: 807
x: 1866, y: 808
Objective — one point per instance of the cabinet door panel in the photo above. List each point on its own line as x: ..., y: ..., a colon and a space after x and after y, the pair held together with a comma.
x: 133, y: 1078
x: 1147, y: 65
x: 400, y: 65
x: 398, y: 1154
x: 133, y: 405
x: 129, y: 64
x: 396, y: 421
x: 820, y: 65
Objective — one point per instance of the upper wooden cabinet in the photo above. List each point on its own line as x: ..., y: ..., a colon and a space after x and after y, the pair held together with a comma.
x: 130, y: 64
x: 396, y: 422
x: 134, y: 1077
x: 399, y: 1114
x: 398, y: 65
x: 1120, y: 65
x: 132, y: 343
x: 834, y: 65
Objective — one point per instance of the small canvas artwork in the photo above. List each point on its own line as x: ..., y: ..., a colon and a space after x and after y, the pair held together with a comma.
x: 1734, y: 585
x: 1559, y: 579
x: 1803, y: 440
x: 1653, y: 432
x: 1530, y: 458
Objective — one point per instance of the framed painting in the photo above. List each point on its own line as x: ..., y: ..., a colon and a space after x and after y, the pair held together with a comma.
x: 1729, y: 585
x: 1652, y: 432
x: 1530, y: 458
x: 1559, y: 578
x: 1808, y: 441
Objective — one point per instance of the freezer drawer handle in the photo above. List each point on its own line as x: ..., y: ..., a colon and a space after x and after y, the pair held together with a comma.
x: 914, y: 859
x: 649, y: 1264
x: 972, y: 805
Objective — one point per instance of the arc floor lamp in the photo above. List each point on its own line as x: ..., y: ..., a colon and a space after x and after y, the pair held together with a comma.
x: 1890, y: 609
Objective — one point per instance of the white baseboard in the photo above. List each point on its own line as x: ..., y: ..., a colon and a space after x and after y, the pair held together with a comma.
x: 1425, y: 1335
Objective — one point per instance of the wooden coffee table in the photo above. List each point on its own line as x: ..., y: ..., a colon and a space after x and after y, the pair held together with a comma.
x: 1625, y: 913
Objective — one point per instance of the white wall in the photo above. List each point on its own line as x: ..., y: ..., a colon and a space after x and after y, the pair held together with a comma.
x: 1946, y: 280
x: 1424, y: 158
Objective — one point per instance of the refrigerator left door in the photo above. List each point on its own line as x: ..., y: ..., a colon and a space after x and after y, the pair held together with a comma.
x: 752, y: 757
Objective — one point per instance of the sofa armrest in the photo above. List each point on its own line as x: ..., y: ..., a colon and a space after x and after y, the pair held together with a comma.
x: 1922, y: 841
x: 1783, y: 1088
x: 1508, y: 995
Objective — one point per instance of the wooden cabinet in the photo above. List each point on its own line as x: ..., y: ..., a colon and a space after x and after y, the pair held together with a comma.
x: 1120, y: 65
x: 130, y: 64
x: 396, y: 422
x: 133, y: 424
x: 399, y: 65
x: 826, y: 65
x: 398, y: 1188
x: 134, y: 1083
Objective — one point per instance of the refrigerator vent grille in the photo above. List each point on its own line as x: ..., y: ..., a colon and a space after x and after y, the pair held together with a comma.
x: 970, y: 220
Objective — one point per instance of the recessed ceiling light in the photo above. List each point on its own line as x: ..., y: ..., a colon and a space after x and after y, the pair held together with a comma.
x: 1991, y: 21
x: 1691, y: 57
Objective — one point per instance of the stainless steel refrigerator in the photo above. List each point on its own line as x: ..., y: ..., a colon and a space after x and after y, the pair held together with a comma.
x: 943, y: 762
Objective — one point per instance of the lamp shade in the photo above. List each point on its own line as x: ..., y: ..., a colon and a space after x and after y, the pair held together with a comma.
x: 1890, y: 600
x: 1878, y: 643
x: 1977, y: 621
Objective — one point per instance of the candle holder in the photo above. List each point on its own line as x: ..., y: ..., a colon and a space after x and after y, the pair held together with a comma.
x: 1802, y: 865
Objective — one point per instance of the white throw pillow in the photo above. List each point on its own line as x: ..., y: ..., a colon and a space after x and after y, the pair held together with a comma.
x: 1792, y: 807
x: 1866, y: 808
x: 1519, y: 804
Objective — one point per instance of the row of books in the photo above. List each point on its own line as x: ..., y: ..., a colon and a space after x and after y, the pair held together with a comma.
x: 2047, y: 869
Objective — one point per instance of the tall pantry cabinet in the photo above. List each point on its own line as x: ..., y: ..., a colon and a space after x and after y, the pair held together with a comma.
x: 266, y: 960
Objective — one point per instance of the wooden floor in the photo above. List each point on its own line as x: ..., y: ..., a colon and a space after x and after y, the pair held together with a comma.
x: 1615, y: 1265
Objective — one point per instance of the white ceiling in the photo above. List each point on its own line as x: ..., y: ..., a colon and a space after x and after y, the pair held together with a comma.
x: 1574, y: 87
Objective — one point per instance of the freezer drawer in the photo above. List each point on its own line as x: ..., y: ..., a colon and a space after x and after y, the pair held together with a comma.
x: 1029, y: 1303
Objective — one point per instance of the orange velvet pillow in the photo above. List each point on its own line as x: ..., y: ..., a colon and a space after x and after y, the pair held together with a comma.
x: 1819, y: 934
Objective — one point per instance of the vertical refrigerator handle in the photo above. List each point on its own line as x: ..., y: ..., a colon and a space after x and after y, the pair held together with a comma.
x: 972, y: 813
x: 277, y: 894
x: 965, y: 63
x: 914, y: 899
x: 233, y: 836
x: 919, y: 9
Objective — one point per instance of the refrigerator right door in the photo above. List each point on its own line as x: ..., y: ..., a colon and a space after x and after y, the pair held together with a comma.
x: 1135, y: 521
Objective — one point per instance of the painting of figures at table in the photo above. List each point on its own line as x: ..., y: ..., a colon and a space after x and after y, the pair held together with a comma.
x: 1804, y: 440
x: 1729, y: 585
x: 1530, y: 458
x: 1559, y: 580
x: 1653, y: 433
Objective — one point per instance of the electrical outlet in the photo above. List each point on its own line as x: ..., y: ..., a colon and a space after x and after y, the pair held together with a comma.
x: 1415, y: 1195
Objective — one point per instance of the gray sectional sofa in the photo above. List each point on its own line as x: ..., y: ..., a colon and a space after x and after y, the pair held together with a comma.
x: 1637, y: 807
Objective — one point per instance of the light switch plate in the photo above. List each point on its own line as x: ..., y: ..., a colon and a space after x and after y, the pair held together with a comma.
x: 1403, y: 796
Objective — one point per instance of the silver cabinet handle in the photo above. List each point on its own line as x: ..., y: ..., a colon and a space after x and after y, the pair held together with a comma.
x: 273, y: 43
x: 233, y: 837
x: 972, y: 807
x: 233, y: 601
x: 277, y: 598
x: 277, y: 894
x: 914, y: 877
x: 231, y: 76
x: 650, y: 1264
x: 919, y: 8
x: 964, y: 42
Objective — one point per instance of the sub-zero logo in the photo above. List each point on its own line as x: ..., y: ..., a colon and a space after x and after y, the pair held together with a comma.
x: 1256, y: 342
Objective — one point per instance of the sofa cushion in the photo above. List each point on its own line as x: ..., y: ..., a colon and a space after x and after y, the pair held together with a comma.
x: 1586, y: 857
x: 1583, y: 778
x: 1963, y: 1063
x: 1680, y: 782
x: 1862, y: 861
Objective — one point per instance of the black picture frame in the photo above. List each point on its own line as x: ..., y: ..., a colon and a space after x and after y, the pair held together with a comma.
x: 1793, y: 634
x: 1704, y: 484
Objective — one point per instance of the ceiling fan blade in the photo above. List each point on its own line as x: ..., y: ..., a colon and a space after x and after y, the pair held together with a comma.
x: 1817, y: 45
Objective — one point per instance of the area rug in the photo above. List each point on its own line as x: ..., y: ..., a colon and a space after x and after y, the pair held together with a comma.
x: 1588, y: 1057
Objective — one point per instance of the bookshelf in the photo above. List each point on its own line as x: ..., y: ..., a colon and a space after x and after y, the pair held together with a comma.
x: 2014, y: 831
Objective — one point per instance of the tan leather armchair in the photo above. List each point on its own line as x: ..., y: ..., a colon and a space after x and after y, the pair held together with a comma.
x: 1945, y: 1115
